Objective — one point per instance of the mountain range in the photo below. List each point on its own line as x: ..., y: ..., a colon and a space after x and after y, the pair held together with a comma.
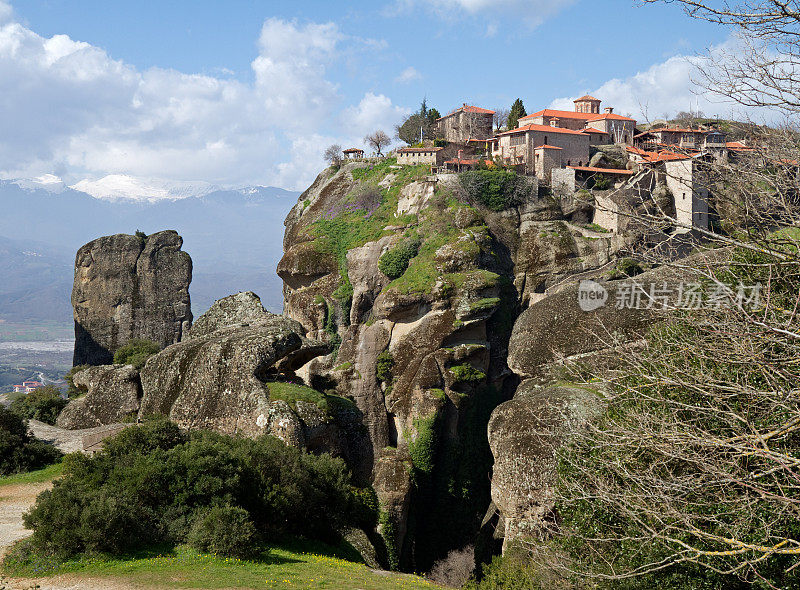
x: 234, y: 237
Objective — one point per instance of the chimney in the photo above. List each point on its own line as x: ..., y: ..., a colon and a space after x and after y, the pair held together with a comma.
x: 609, y: 110
x: 460, y: 154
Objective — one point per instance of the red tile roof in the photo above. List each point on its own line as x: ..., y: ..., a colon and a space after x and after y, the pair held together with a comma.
x: 654, y: 157
x: 593, y: 130
x: 547, y: 147
x: 574, y: 115
x: 738, y: 146
x: 603, y: 170
x: 468, y: 109
x: 547, y: 128
x: 352, y: 150
x: 673, y: 130
x: 587, y: 97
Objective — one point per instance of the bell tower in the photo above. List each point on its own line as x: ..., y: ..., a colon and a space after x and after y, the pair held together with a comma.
x: 587, y: 104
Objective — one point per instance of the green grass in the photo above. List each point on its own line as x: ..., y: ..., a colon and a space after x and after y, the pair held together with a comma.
x: 39, y: 476
x: 292, y: 393
x: 297, y: 564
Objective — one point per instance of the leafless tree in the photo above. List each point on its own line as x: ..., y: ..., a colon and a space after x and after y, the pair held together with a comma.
x: 377, y: 141
x: 500, y: 118
x: 697, y: 461
x: 763, y: 70
x: 333, y: 154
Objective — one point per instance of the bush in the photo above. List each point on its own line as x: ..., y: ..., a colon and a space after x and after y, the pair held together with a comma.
x: 467, y: 373
x: 136, y: 352
x: 514, y: 571
x: 384, y: 365
x: 495, y: 189
x: 18, y: 450
x: 43, y: 404
x: 153, y: 484
x: 225, y: 530
x: 601, y: 182
x: 395, y: 262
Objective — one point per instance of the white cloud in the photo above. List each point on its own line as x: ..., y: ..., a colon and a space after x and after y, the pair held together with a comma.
x: 665, y: 89
x: 408, y: 75
x: 70, y: 109
x: 373, y: 112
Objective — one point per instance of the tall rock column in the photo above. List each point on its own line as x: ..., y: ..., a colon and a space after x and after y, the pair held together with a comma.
x: 129, y: 287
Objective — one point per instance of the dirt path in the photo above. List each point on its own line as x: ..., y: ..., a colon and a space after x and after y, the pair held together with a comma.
x: 14, y: 501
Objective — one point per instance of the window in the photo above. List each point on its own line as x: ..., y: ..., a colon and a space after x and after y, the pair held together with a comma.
x: 684, y: 196
x: 545, y: 139
x: 518, y: 139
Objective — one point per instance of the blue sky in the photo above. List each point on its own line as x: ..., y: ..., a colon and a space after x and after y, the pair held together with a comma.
x: 251, y: 92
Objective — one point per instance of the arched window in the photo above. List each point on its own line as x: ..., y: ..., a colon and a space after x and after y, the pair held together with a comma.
x: 545, y: 139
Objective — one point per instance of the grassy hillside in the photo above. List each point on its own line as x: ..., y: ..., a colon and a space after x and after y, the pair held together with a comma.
x: 299, y: 565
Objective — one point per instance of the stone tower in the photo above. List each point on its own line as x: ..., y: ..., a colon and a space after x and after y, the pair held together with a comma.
x: 587, y: 104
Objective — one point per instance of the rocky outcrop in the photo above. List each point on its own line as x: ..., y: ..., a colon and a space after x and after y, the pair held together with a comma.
x: 129, y: 287
x: 235, y: 310
x: 111, y: 395
x: 216, y: 381
x: 525, y: 433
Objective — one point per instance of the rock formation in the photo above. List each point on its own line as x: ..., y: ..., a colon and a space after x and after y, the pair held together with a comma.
x: 112, y: 394
x: 524, y: 434
x: 423, y: 355
x: 216, y: 380
x: 129, y: 287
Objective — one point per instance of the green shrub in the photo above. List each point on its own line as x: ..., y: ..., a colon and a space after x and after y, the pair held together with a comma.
x: 136, y: 352
x: 225, y: 530
x: 602, y: 183
x: 18, y: 450
x: 513, y: 571
x: 629, y: 267
x: 467, y: 373
x: 43, y: 404
x: 153, y: 485
x: 384, y: 366
x: 395, y: 262
x: 423, y: 448
x: 495, y: 189
x: 141, y: 235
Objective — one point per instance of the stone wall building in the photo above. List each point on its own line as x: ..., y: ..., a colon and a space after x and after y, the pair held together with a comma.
x: 540, y: 148
x: 687, y: 141
x: 587, y: 115
x: 688, y: 184
x: 425, y: 155
x: 465, y: 123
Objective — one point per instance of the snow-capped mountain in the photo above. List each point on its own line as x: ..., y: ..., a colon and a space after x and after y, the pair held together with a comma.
x: 233, y: 235
x: 121, y: 186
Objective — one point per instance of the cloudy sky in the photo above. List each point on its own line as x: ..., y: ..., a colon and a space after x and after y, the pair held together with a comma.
x: 247, y: 92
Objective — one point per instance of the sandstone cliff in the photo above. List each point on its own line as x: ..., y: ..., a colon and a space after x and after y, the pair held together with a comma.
x: 129, y: 287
